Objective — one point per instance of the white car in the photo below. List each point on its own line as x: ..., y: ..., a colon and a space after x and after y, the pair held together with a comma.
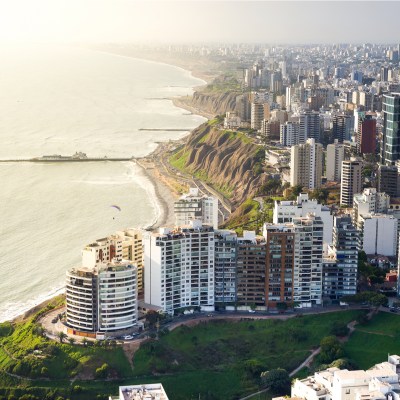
x: 127, y: 337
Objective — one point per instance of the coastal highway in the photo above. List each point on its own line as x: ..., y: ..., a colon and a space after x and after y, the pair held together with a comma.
x: 163, y: 166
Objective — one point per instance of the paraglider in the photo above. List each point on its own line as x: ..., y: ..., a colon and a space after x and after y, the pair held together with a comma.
x: 117, y: 207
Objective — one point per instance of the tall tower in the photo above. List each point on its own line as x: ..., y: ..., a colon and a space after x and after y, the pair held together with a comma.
x: 351, y: 181
x: 309, y: 126
x: 366, y: 134
x: 306, y: 164
x: 390, y: 146
x: 334, y: 158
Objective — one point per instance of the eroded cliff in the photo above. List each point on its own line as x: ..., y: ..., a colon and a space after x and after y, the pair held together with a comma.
x: 229, y: 161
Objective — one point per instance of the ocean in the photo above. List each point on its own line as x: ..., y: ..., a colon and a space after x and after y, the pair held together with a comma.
x: 60, y: 100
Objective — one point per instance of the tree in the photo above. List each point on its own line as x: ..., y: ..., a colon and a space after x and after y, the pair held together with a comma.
x: 61, y: 336
x: 102, y: 372
x: 71, y: 341
x: 339, y: 329
x: 331, y: 349
x: 296, y: 190
x: 253, y: 368
x: 84, y: 342
x: 277, y: 380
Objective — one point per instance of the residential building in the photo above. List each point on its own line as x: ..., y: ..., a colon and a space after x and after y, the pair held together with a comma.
x: 132, y: 250
x: 334, y: 159
x: 148, y: 391
x: 309, y: 126
x: 192, y: 206
x: 280, y: 245
x: 289, y: 133
x: 251, y: 265
x: 270, y: 129
x: 351, y: 181
x: 232, y: 120
x: 340, y: 270
x: 257, y: 115
x: 369, y: 202
x: 225, y: 266
x: 366, y: 134
x: 179, y: 267
x: 306, y: 164
x: 102, y: 300
x: 380, y: 382
x: 341, y: 127
x: 285, y: 211
x: 307, y: 282
x: 390, y: 145
x: 379, y: 234
x: 388, y: 180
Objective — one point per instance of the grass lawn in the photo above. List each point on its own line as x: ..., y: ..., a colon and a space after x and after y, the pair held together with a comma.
x: 372, y: 342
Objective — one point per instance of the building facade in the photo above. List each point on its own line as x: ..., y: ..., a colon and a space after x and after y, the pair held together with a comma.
x: 334, y: 159
x: 351, y: 181
x: 306, y: 165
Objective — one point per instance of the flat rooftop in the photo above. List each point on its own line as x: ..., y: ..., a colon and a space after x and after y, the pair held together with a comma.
x: 143, y: 392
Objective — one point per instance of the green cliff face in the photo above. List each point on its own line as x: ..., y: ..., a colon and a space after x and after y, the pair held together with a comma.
x: 228, y: 160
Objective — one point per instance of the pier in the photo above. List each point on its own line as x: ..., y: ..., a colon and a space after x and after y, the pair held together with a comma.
x: 66, y: 160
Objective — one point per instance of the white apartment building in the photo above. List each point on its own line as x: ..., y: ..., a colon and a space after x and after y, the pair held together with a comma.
x: 102, y: 299
x: 381, y: 382
x: 285, y: 211
x: 351, y: 181
x: 334, y: 158
x: 148, y: 391
x: 306, y: 164
x: 307, y: 275
x: 192, y: 206
x: 378, y: 234
x: 369, y: 201
x: 257, y: 115
x: 232, y: 120
x: 179, y: 267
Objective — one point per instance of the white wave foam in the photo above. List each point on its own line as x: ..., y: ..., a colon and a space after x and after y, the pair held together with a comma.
x: 12, y: 310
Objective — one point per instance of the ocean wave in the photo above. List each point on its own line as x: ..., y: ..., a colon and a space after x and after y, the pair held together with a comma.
x: 11, y: 310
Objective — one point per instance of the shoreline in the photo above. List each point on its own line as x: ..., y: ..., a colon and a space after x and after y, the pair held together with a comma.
x: 164, y: 192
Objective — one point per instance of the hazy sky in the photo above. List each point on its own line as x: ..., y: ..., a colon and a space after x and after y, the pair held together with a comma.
x: 199, y: 21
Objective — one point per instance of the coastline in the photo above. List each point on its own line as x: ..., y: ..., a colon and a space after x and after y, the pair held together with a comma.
x: 165, y: 191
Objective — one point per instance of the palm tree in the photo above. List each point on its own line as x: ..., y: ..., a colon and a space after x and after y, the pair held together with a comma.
x: 71, y: 340
x: 61, y: 336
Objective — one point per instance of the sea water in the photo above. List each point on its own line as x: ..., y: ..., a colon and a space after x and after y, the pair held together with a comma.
x: 59, y: 100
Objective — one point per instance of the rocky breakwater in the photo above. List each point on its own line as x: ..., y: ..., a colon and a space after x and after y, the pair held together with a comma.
x: 229, y: 161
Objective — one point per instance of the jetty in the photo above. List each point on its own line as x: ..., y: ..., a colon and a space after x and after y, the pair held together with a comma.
x: 77, y: 157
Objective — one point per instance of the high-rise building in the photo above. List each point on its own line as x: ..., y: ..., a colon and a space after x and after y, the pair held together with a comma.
x: 251, y: 265
x: 351, y: 181
x: 369, y: 201
x: 334, y: 158
x: 289, y: 133
x: 366, y: 134
x: 102, y: 300
x: 179, y: 267
x: 280, y: 242
x: 388, y: 180
x: 225, y: 265
x: 306, y: 164
x: 340, y: 270
x: 270, y: 129
x: 132, y: 250
x: 390, y: 146
x: 285, y: 211
x: 341, y: 127
x: 192, y: 206
x: 307, y: 283
x: 257, y: 115
x: 309, y: 126
x: 378, y: 234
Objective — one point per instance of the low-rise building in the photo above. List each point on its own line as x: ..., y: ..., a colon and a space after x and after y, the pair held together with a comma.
x: 148, y: 391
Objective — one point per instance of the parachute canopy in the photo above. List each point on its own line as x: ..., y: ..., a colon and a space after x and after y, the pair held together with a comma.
x: 117, y: 207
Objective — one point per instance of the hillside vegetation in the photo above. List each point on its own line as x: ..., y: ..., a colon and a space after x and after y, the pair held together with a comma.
x: 218, y: 359
x: 228, y: 160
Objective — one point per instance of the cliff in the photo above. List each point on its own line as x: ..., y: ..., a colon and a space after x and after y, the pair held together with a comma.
x: 227, y: 160
x: 214, y: 103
